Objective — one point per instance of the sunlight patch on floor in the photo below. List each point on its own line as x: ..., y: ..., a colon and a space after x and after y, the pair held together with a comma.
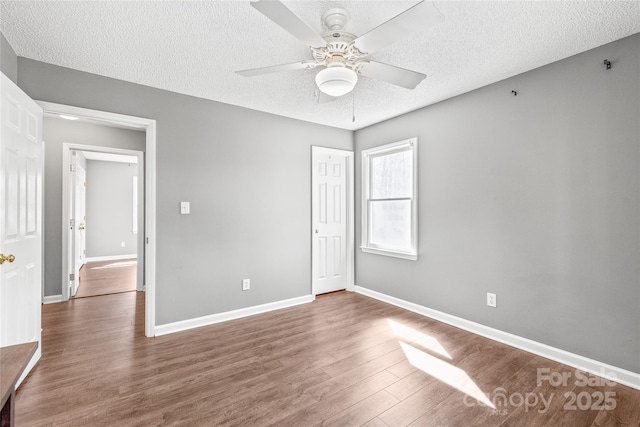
x: 431, y: 365
x: 445, y: 372
x: 417, y: 337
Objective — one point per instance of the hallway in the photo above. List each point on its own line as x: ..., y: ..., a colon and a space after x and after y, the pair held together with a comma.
x: 107, y: 277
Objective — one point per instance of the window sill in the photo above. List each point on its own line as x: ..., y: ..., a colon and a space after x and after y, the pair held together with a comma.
x: 395, y: 254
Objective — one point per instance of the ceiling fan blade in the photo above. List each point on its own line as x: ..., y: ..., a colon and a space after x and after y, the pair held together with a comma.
x: 419, y: 17
x: 323, y: 98
x: 388, y: 73
x: 282, y: 15
x: 302, y: 65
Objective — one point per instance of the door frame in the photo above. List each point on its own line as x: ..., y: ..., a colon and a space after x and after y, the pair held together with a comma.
x: 72, y: 235
x: 149, y: 238
x: 349, y: 199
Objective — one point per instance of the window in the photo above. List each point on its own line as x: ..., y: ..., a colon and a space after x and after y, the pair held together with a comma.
x: 389, y: 202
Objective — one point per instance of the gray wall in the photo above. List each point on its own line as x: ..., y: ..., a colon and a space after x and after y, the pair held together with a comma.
x: 534, y: 197
x: 57, y: 131
x: 247, y: 175
x: 109, y: 200
x: 8, y: 59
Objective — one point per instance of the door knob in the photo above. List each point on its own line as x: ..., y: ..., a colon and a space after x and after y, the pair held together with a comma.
x: 81, y: 226
x: 316, y: 231
x: 9, y: 258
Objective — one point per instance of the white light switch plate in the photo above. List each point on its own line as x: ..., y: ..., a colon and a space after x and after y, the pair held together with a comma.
x: 185, y: 208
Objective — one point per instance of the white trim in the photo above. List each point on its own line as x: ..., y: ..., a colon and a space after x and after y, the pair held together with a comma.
x: 410, y: 144
x: 111, y: 257
x: 351, y: 224
x: 52, y: 299
x: 66, y: 215
x: 350, y: 197
x: 395, y: 254
x: 146, y: 241
x: 149, y: 235
x: 197, y: 322
x: 105, y: 116
x: 620, y: 375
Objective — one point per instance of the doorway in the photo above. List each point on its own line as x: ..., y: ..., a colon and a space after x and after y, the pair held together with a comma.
x: 146, y: 246
x: 332, y: 220
x: 103, y: 237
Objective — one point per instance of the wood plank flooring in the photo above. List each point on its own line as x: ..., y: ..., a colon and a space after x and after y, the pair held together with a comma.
x: 107, y: 277
x: 342, y: 360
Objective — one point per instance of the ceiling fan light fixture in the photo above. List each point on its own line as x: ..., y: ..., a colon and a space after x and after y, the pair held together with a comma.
x: 336, y: 81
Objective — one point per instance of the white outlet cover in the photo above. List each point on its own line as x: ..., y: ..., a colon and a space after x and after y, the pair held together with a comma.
x: 246, y: 284
x: 492, y: 300
x: 185, y: 208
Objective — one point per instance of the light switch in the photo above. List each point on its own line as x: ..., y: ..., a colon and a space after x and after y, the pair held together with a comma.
x: 185, y: 208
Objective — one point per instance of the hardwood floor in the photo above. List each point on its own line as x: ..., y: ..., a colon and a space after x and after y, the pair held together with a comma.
x: 342, y: 360
x: 107, y: 277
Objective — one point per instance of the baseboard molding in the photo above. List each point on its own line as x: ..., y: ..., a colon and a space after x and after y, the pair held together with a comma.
x: 622, y: 376
x: 183, y: 325
x: 111, y: 257
x: 51, y: 299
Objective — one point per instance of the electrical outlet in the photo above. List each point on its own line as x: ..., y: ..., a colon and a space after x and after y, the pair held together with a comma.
x: 185, y: 208
x: 122, y: 244
x: 246, y: 284
x: 491, y: 300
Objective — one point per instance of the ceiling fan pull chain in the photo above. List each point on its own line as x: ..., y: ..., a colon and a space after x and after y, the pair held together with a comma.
x: 353, y: 107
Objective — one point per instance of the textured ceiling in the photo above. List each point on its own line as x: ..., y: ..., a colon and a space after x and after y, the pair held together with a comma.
x: 194, y: 47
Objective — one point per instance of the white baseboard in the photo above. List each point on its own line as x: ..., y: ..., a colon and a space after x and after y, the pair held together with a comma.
x: 52, y: 299
x: 183, y: 325
x: 619, y: 375
x: 111, y: 257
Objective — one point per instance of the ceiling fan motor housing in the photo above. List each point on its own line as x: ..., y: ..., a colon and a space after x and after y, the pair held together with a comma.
x: 339, y: 47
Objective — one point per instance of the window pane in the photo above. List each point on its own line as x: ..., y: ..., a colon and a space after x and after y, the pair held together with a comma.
x: 391, y: 224
x: 392, y: 175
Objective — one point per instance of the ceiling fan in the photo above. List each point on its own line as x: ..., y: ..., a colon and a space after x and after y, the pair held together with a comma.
x: 341, y: 55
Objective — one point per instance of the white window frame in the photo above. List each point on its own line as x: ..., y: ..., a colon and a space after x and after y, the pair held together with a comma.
x: 395, y: 147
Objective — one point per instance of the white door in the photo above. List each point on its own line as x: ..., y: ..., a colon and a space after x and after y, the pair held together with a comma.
x: 329, y: 220
x: 21, y: 218
x: 79, y: 220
